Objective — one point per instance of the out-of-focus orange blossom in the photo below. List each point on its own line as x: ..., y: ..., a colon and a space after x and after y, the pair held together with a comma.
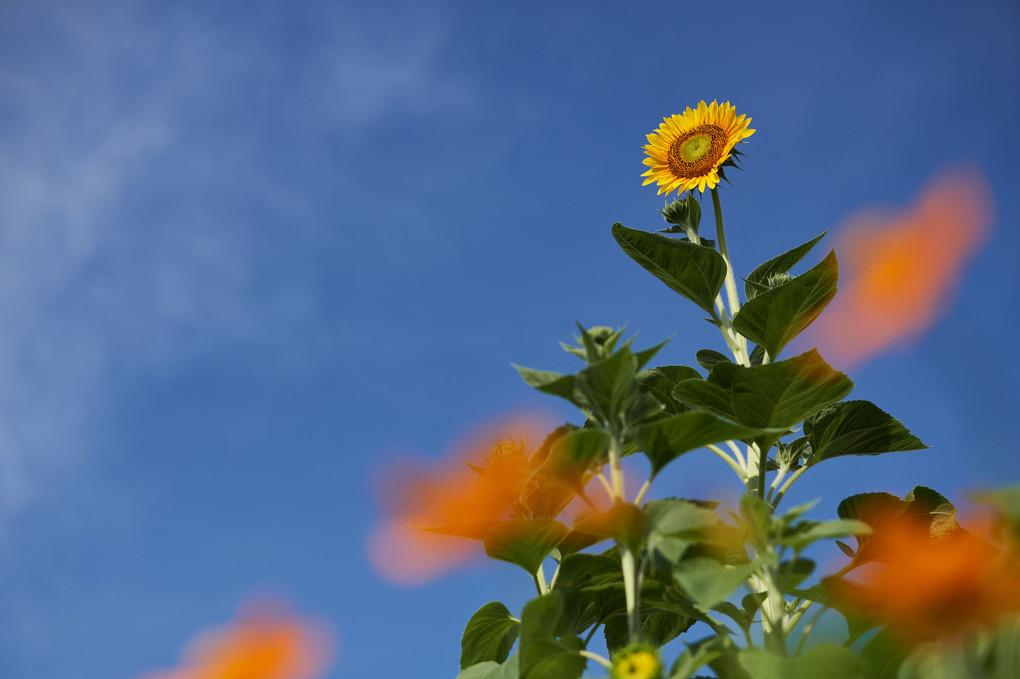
x: 265, y: 642
x: 946, y: 587
x: 485, y: 478
x: 899, y: 271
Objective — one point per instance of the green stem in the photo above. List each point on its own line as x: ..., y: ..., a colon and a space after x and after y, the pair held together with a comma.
x: 737, y: 455
x: 556, y: 574
x: 733, y: 340
x: 726, y: 328
x: 801, y: 606
x: 630, y: 582
x: 789, y: 482
x: 731, y: 281
x: 615, y: 472
x: 727, y: 459
x: 597, y: 658
x: 641, y: 493
x: 808, y: 628
x: 594, y: 629
x: 539, y: 578
x: 762, y: 470
x: 773, y: 612
x: 756, y: 470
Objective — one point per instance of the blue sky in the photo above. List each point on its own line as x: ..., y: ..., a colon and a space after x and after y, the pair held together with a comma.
x: 248, y: 251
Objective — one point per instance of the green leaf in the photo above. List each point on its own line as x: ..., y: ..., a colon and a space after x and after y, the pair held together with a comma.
x: 944, y: 663
x: 803, y: 533
x: 775, y: 395
x: 491, y: 670
x: 781, y: 264
x: 571, y: 455
x: 657, y: 628
x: 525, y: 542
x: 694, y: 271
x: 489, y: 635
x: 610, y: 599
x: 824, y: 660
x: 883, y: 655
x: 793, y: 572
x: 1005, y: 653
x: 922, y: 506
x: 543, y: 654
x: 581, y: 570
x: 756, y: 519
x: 775, y: 317
x: 871, y: 508
x: 707, y: 358
x: 660, y: 627
x: 699, y: 654
x: 667, y: 438
x: 857, y: 624
x: 642, y: 357
x: 624, y: 522
x: 737, y: 615
x: 789, y: 455
x: 660, y: 382
x: 932, y: 506
x: 709, y: 582
x: 564, y: 386
x: 607, y: 383
x: 685, y: 213
x: 677, y: 516
x: 572, y: 543
x: 856, y: 428
x: 576, y: 572
x: 673, y: 526
x: 752, y: 602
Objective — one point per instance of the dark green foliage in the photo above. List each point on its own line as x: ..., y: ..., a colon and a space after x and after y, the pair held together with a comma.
x: 547, y: 653
x: 775, y: 395
x: 525, y: 542
x: 667, y: 438
x: 489, y: 635
x: 693, y: 271
x: 775, y: 317
x: 757, y: 280
x: 856, y: 428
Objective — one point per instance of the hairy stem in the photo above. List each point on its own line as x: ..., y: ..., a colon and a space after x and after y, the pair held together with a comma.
x: 789, y: 482
x: 734, y: 465
x: 731, y: 281
x: 630, y: 584
x: 539, y: 577
x: 808, y: 628
x: 615, y: 471
x: 597, y: 658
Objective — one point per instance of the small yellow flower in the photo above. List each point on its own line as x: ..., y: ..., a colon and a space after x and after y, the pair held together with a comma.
x: 686, y: 151
x: 636, y: 662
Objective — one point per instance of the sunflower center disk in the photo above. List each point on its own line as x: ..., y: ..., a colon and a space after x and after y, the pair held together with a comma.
x: 695, y: 153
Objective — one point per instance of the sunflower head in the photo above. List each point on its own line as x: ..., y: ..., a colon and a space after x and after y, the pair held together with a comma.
x: 688, y: 149
x: 637, y: 661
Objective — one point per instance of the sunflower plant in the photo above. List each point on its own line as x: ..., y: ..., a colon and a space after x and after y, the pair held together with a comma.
x: 678, y: 587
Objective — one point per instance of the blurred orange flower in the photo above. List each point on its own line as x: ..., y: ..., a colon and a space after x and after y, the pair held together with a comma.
x: 945, y: 587
x: 899, y: 270
x: 266, y: 642
x: 487, y: 478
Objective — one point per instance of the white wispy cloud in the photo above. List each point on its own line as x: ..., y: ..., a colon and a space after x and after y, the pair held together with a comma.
x: 128, y: 176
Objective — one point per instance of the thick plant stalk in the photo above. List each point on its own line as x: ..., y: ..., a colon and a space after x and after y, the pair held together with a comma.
x: 630, y: 581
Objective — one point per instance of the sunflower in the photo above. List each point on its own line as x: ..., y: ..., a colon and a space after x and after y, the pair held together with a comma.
x: 686, y: 151
x: 637, y: 661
